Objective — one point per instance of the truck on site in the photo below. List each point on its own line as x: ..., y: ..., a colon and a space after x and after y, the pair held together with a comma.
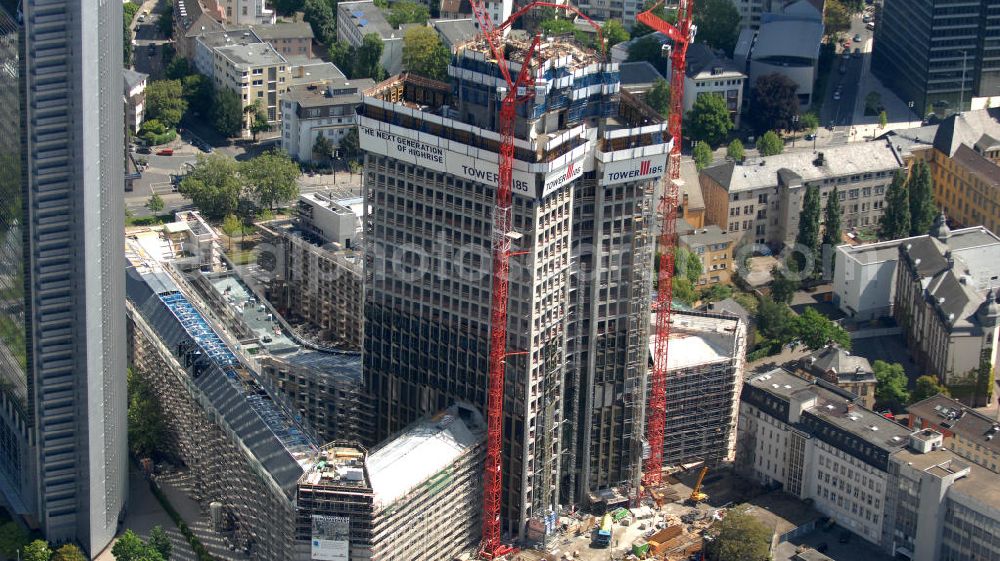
x: 602, y: 533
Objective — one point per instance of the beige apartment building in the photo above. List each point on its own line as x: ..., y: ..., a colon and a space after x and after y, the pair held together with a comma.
x: 256, y: 72
x: 761, y: 199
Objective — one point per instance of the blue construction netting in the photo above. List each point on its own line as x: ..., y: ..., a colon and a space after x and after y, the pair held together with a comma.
x: 211, y: 344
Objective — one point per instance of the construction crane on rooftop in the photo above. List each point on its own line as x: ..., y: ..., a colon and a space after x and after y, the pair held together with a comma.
x: 681, y: 35
x: 517, y: 90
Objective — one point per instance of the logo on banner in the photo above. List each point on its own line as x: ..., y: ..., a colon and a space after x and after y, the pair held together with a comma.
x: 645, y: 168
x: 569, y: 170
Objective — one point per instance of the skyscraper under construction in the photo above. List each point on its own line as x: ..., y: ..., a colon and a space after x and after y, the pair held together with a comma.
x: 587, y: 157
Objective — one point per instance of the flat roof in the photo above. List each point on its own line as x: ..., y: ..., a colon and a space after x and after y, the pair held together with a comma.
x: 316, y: 95
x: 855, y: 158
x: 640, y: 73
x: 284, y: 30
x: 422, y: 450
x: 709, y: 235
x: 455, y: 31
x: 367, y: 17
x: 254, y: 314
x: 698, y: 338
x: 782, y: 39
x: 252, y: 54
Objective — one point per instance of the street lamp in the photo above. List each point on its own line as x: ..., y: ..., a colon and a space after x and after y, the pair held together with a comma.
x: 795, y: 128
x: 910, y: 117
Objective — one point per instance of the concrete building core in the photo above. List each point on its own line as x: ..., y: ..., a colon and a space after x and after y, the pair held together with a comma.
x: 587, y: 156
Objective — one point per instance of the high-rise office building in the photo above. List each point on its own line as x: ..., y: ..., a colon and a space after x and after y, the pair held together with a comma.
x: 931, y: 51
x: 63, y: 463
x: 586, y: 158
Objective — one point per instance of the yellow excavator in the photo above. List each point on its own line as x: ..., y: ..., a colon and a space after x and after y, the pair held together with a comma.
x: 696, y: 495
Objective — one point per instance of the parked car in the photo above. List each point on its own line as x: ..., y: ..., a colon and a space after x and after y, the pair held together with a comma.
x: 141, y: 19
x: 165, y: 152
x: 870, y: 26
x: 857, y: 53
x: 866, y: 18
x: 857, y: 37
x: 810, y: 136
x: 144, y: 150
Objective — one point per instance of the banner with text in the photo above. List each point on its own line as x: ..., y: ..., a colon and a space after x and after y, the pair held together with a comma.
x: 637, y: 169
x: 403, y: 147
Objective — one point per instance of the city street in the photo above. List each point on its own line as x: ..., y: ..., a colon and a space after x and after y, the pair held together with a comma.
x: 147, y: 41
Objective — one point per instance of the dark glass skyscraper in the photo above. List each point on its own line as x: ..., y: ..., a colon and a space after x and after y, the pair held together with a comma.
x: 923, y: 48
x: 63, y: 462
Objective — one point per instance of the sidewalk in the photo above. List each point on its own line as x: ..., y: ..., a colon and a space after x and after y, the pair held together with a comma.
x: 143, y: 513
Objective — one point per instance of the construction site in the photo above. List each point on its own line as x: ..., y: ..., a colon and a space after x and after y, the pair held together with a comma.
x: 511, y: 378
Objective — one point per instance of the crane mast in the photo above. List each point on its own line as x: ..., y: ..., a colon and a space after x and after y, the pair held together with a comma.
x: 682, y: 34
x: 517, y: 90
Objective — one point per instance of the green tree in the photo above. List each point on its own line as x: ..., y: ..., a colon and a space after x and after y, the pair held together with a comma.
x: 647, y: 49
x: 775, y: 320
x: 683, y: 291
x: 774, y: 102
x: 231, y: 226
x: 748, y: 301
x: 214, y: 185
x: 165, y: 102
x: 165, y: 23
x: 883, y: 120
x: 783, y: 285
x: 890, y: 388
x: 425, y: 54
x: 895, y: 221
x: 739, y: 536
x: 815, y: 331
x: 155, y: 203
x: 920, y: 188
x: 320, y: 16
x: 718, y: 23
x: 272, y: 178
x: 37, y: 550
x: 13, y: 538
x: 129, y: 10
x: 342, y: 55
x: 368, y: 57
x: 770, y: 144
x: 659, y: 96
x: 258, y: 119
x: 927, y: 386
x: 69, y: 552
x: 709, y: 119
x: 198, y: 92
x: 354, y: 166
x: 227, y: 113
x: 687, y: 264
x: 836, y: 18
x: 808, y: 235
x: 832, y: 222
x: 614, y: 32
x: 716, y: 292
x: 130, y: 547
x: 350, y: 145
x: 407, y: 11
x: 288, y: 7
x: 159, y: 541
x: 145, y: 420
x: 702, y: 155
x: 735, y: 150
x: 177, y: 68
x: 556, y: 26
x: 809, y: 122
x: 323, y: 149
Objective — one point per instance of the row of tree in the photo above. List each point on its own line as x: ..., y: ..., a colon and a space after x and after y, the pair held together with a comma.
x: 131, y: 547
x: 909, y: 204
x: 219, y: 185
x: 15, y: 544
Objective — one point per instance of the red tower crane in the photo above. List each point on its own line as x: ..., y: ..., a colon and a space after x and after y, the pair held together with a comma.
x: 682, y: 34
x: 518, y: 90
